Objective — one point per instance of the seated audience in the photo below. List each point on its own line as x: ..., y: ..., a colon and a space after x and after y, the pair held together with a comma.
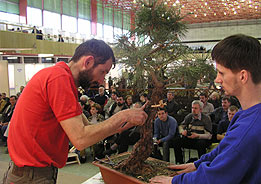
x: 4, y: 102
x: 118, y: 106
x: 208, y: 107
x: 215, y: 100
x: 101, y: 98
x: 172, y: 105
x: 143, y: 98
x: 129, y: 102
x: 6, y: 117
x: 220, y: 114
x: 196, y: 132
x: 84, y: 106
x: 95, y: 116
x: 223, y: 125
x: 164, y: 131
x: 108, y: 105
x: 126, y: 138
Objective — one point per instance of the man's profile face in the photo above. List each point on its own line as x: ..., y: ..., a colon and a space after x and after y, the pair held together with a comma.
x: 196, y: 109
x: 228, y: 80
x: 95, y: 75
x: 162, y: 115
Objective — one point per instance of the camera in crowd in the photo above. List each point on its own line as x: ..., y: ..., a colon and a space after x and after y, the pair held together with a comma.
x: 188, y: 131
x: 155, y: 141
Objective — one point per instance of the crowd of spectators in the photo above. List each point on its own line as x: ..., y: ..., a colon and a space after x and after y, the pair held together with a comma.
x: 206, y: 124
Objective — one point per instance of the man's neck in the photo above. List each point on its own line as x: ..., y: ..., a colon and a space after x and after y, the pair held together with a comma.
x: 75, y: 72
x: 250, y: 97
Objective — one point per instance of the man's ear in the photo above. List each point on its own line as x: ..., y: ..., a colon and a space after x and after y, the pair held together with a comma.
x: 244, y: 76
x: 88, y: 62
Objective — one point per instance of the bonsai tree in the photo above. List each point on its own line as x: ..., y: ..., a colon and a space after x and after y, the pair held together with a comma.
x: 147, y: 51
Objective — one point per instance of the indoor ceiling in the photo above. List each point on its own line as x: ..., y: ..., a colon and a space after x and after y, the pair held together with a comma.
x: 200, y: 11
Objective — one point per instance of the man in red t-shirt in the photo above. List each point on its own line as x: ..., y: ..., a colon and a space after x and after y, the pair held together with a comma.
x: 48, y: 115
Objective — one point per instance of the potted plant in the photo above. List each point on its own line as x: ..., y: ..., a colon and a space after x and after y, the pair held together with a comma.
x: 157, y: 33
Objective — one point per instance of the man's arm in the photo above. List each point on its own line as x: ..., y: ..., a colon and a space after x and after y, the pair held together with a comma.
x: 85, y: 120
x: 83, y: 136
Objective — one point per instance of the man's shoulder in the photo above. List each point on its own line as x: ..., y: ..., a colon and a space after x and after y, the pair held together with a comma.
x: 205, y: 117
x: 53, y: 71
x: 189, y: 116
x: 210, y: 104
x: 171, y: 119
x: 218, y: 110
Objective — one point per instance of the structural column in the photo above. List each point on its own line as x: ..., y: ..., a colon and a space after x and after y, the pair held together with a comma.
x: 94, y: 17
x: 23, y: 12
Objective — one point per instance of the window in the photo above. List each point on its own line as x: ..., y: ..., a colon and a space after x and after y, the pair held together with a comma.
x: 30, y: 59
x: 69, y: 24
x: 34, y: 16
x: 52, y: 20
x: 108, y: 33
x: 84, y: 27
x: 11, y: 76
x: 9, y: 17
x: 117, y: 32
x: 99, y: 31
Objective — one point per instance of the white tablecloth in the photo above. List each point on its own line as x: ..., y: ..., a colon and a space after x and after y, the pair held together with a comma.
x: 96, y: 179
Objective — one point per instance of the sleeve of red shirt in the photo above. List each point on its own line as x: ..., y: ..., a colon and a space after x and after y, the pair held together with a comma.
x: 63, y: 98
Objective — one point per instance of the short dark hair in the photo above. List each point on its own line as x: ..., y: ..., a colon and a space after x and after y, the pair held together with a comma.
x: 226, y: 98
x: 96, y: 106
x: 144, y: 94
x: 162, y: 109
x: 233, y: 108
x: 114, y: 92
x: 13, y: 96
x: 96, y: 48
x: 203, y: 94
x: 238, y: 52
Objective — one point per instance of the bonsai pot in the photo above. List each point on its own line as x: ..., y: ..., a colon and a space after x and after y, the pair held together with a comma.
x: 112, y: 176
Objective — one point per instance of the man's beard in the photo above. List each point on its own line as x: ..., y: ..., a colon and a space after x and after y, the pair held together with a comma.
x: 86, y: 79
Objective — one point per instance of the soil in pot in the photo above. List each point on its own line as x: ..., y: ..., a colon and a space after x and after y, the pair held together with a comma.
x: 157, y: 167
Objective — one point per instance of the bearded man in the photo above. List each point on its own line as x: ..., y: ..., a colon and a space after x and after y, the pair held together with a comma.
x: 48, y: 115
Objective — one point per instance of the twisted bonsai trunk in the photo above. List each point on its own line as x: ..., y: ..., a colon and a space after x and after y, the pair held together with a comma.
x: 143, y: 148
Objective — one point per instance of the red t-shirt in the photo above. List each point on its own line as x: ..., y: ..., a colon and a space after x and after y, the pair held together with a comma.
x: 36, y: 137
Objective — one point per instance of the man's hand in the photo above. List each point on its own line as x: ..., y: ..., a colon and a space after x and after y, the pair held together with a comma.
x: 161, y: 179
x: 184, y: 133
x: 185, y: 168
x: 136, y: 116
x: 132, y: 117
x: 193, y: 136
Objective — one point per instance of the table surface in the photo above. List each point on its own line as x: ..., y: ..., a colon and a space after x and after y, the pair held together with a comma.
x: 96, y: 179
